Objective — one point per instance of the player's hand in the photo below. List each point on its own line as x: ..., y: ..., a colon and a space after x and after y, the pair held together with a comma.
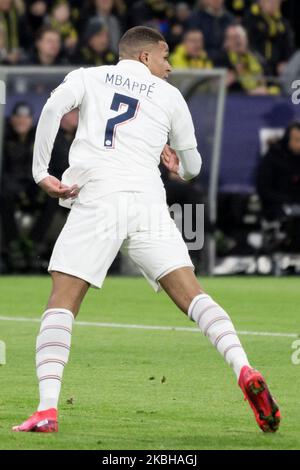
x: 170, y: 159
x: 56, y: 189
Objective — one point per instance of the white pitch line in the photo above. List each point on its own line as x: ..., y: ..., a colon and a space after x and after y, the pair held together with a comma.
x: 152, y: 327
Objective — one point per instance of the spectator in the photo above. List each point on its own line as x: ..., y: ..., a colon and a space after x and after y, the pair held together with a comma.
x: 270, y: 34
x: 36, y: 11
x: 18, y: 141
x: 121, y: 7
x: 178, y: 24
x: 238, y: 7
x: 191, y: 53
x: 47, y: 48
x: 154, y: 13
x: 2, y: 45
x: 18, y: 189
x: 11, y: 21
x: 102, y: 10
x: 290, y: 74
x: 212, y: 19
x: 278, y: 182
x: 94, y: 49
x: 60, y: 20
x: 291, y: 11
x: 245, y: 68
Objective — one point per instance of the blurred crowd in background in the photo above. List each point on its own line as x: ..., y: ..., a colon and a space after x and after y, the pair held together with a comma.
x: 253, y: 39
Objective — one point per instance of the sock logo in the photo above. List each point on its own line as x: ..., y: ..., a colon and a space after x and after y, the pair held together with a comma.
x: 2, y: 353
x: 42, y: 423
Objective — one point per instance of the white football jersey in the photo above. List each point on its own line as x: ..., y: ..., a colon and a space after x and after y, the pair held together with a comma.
x: 126, y: 117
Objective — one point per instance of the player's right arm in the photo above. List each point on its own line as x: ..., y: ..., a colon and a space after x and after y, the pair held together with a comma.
x: 183, y: 142
x: 66, y: 97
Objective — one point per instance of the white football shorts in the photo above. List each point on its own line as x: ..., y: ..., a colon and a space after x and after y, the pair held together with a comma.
x: 137, y: 223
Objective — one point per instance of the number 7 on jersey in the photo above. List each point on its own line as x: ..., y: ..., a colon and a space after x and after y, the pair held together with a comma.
x: 128, y: 115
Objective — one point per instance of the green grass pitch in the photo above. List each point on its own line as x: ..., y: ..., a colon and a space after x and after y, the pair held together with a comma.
x: 152, y: 389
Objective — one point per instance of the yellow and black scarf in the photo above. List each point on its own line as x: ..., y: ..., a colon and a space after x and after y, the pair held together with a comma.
x: 9, y: 27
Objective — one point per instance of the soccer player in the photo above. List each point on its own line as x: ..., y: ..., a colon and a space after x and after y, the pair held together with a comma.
x: 127, y: 113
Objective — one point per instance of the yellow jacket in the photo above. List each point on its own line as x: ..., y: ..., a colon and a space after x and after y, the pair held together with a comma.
x: 180, y: 60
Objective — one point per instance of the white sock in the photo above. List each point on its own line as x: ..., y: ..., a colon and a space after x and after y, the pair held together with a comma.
x: 52, y: 353
x: 215, y: 323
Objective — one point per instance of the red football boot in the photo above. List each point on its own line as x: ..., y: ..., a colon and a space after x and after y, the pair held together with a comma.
x: 41, y: 421
x: 256, y: 391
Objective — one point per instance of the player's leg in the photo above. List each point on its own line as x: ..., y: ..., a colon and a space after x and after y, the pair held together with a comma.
x: 81, y: 257
x: 183, y: 288
x: 53, y: 346
x: 67, y: 292
x: 165, y: 262
x: 161, y: 254
x: 54, y: 340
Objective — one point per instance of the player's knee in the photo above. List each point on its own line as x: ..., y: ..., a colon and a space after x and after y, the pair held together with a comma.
x: 67, y: 292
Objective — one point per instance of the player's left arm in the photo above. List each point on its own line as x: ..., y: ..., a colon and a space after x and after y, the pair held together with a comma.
x: 65, y: 98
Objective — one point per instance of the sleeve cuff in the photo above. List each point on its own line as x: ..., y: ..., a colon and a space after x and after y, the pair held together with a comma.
x: 40, y: 176
x: 181, y: 172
